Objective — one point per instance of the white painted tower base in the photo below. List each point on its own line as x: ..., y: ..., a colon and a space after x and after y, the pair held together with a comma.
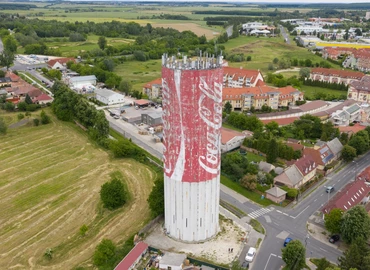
x: 191, y: 209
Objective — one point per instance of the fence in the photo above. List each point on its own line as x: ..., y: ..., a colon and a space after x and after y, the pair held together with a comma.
x: 150, y: 225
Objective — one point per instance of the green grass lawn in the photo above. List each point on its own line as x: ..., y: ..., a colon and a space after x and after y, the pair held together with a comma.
x: 254, y: 157
x: 139, y: 73
x: 246, y: 193
x: 309, y: 91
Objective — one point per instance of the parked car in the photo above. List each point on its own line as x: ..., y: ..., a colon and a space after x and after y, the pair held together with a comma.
x: 245, y: 265
x: 250, y: 255
x: 116, y: 116
x: 329, y: 189
x: 287, y: 240
x: 334, y: 238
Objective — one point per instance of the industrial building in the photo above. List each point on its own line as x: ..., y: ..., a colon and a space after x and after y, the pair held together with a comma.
x: 109, y: 97
x: 152, y: 118
x: 192, y: 119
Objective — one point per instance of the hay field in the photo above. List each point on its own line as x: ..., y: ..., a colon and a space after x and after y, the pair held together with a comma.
x: 50, y: 178
x: 197, y: 29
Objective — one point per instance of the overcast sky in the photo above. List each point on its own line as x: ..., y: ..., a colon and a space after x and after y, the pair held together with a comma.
x: 270, y: 1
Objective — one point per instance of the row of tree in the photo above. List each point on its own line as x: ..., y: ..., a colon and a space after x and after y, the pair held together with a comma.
x: 330, y: 85
x: 358, y: 144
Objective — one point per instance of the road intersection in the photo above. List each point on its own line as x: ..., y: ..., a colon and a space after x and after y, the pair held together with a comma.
x: 280, y: 222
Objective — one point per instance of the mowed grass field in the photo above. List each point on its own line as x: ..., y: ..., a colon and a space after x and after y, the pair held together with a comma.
x: 263, y: 50
x: 50, y: 178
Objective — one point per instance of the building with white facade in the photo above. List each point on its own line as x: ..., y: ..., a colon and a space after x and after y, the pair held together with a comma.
x: 109, y: 97
x: 231, y: 139
x: 347, y: 115
x: 80, y: 82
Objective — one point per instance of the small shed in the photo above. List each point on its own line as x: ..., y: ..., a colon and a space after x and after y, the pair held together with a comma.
x: 276, y: 194
x: 133, y: 257
x: 265, y: 167
x: 172, y: 261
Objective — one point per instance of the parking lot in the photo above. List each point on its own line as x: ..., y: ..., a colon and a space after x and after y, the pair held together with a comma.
x: 33, y: 59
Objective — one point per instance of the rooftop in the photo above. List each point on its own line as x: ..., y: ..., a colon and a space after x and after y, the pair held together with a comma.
x: 106, y: 93
x: 229, y: 134
x: 351, y: 195
x: 338, y: 73
x: 82, y: 78
x: 276, y: 192
x: 132, y: 256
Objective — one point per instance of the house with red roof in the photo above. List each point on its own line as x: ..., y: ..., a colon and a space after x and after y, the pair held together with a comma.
x: 302, y: 171
x: 133, y: 257
x: 153, y: 89
x: 232, y: 139
x: 239, y: 77
x: 43, y: 99
x: 60, y: 63
x: 351, y: 195
x: 335, y: 76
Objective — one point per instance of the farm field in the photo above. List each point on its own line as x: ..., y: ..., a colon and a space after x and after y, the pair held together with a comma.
x: 50, y: 178
x: 263, y: 50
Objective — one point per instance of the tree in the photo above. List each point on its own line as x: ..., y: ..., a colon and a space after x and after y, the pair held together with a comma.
x: 156, y: 198
x: 333, y: 220
x: 6, y: 59
x: 359, y: 144
x: 348, y: 153
x: 3, y: 127
x: 356, y: 256
x: 9, y: 107
x: 294, y: 255
x: 125, y: 86
x: 249, y: 181
x: 10, y: 44
x: 113, y: 194
x: 102, y: 43
x: 228, y: 107
x: 322, y: 264
x: 28, y: 99
x: 275, y: 61
x: 2, y: 73
x: 45, y: 119
x: 104, y: 252
x: 272, y: 152
x: 272, y: 127
x: 55, y: 73
x: 83, y: 230
x: 355, y: 224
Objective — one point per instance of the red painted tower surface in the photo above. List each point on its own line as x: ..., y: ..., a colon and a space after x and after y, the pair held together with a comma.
x: 192, y: 118
x: 192, y: 105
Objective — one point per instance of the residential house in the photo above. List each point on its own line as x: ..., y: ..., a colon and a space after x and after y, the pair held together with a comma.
x: 347, y: 115
x: 109, y: 97
x: 336, y: 147
x: 358, y: 60
x: 231, y: 139
x: 336, y: 53
x: 351, y: 195
x: 13, y: 77
x: 302, y: 171
x: 324, y: 153
x: 335, y: 75
x: 3, y: 92
x: 5, y: 81
x: 239, y: 77
x: 133, y: 257
x: 43, y: 99
x: 153, y: 89
x: 60, y: 63
x: 360, y: 90
x: 276, y: 194
x: 81, y: 82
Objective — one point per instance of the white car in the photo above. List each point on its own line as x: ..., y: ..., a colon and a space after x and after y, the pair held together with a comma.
x: 250, y: 255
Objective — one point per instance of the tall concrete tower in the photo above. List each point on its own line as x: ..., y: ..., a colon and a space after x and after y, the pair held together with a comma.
x: 192, y: 118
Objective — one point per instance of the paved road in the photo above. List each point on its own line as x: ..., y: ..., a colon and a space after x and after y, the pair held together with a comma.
x: 281, y: 223
x: 1, y: 46
x: 285, y: 34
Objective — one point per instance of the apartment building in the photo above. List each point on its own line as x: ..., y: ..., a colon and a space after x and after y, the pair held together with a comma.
x: 243, y: 99
x: 153, y: 89
x: 239, y: 77
x: 335, y: 76
x: 360, y: 90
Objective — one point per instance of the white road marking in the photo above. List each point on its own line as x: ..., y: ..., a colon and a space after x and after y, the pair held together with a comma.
x: 260, y: 212
x: 321, y: 195
x: 315, y: 200
x: 301, y: 212
x: 267, y: 263
x: 323, y: 249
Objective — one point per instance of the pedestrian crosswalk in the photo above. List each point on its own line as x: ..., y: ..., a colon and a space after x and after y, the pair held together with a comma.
x: 260, y: 212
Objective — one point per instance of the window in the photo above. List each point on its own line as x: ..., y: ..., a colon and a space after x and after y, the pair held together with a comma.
x: 186, y: 222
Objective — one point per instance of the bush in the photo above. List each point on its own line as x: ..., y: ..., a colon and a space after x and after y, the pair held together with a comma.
x: 20, y: 116
x: 113, y: 194
x: 36, y: 122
